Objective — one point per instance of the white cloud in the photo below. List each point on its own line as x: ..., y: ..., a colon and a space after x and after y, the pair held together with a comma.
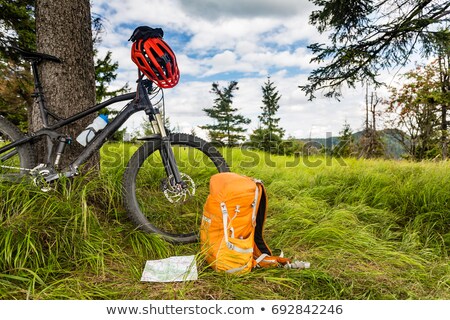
x: 243, y: 40
x: 213, y: 9
x: 190, y: 66
x: 141, y: 12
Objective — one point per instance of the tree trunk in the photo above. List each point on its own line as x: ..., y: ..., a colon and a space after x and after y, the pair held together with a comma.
x: 63, y: 29
x: 444, y: 70
x: 444, y: 133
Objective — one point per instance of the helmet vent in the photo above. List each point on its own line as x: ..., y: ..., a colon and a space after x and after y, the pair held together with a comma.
x: 156, y: 61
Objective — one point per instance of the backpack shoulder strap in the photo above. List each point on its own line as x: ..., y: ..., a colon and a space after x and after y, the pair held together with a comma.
x: 262, y: 254
x: 261, y: 213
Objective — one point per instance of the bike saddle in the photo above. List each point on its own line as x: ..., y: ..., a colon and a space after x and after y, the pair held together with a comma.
x: 29, y: 55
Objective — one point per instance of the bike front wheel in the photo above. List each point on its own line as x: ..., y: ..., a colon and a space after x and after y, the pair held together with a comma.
x: 150, y: 199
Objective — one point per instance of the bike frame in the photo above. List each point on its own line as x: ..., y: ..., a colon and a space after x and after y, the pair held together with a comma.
x: 140, y: 101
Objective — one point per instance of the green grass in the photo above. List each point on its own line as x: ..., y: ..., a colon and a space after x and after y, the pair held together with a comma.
x: 372, y: 229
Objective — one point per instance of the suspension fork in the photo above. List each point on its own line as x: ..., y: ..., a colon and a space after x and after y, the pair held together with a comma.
x: 158, y: 128
x: 166, y: 152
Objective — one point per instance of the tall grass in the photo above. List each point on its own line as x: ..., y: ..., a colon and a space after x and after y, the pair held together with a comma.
x: 371, y: 229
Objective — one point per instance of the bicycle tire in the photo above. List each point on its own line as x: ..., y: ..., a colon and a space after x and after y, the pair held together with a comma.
x: 23, y: 158
x: 146, y: 199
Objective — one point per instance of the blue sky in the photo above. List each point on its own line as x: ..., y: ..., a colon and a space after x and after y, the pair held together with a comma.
x: 220, y: 41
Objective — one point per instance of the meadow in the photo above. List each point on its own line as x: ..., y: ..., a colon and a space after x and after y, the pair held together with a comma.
x: 371, y: 229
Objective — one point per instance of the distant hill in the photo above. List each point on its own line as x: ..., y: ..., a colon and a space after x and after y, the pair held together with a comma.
x: 394, y: 149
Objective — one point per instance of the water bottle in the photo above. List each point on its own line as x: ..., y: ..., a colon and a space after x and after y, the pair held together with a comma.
x: 88, y: 134
x: 298, y: 265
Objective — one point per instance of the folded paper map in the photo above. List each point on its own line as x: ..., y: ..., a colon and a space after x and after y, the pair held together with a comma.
x: 182, y: 268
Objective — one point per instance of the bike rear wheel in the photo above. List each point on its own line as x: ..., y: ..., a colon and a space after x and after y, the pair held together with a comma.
x: 14, y: 163
x: 150, y: 200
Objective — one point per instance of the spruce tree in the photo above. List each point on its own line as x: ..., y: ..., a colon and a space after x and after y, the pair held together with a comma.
x: 346, y: 146
x: 17, y: 19
x: 268, y: 136
x: 63, y: 29
x: 368, y: 36
x: 105, y: 73
x: 227, y: 128
x: 270, y: 106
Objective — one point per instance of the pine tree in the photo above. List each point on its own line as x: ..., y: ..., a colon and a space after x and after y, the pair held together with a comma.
x: 346, y: 146
x: 17, y: 26
x: 268, y: 136
x: 270, y: 106
x: 63, y: 29
x: 17, y: 19
x: 227, y: 128
x: 367, y: 36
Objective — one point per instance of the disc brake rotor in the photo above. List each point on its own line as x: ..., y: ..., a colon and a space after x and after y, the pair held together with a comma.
x: 178, y: 193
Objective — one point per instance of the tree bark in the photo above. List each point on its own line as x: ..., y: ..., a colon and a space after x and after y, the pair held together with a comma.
x: 444, y: 70
x: 63, y: 29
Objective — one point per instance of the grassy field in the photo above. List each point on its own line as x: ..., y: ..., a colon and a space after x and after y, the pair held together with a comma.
x: 372, y: 229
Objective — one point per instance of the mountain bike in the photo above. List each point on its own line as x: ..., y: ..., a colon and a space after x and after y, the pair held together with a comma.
x: 166, y: 181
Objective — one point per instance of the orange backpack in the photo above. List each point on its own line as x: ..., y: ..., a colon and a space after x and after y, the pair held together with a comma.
x: 231, y: 233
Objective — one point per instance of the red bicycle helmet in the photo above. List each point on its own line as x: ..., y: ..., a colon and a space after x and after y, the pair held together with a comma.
x: 157, y: 61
